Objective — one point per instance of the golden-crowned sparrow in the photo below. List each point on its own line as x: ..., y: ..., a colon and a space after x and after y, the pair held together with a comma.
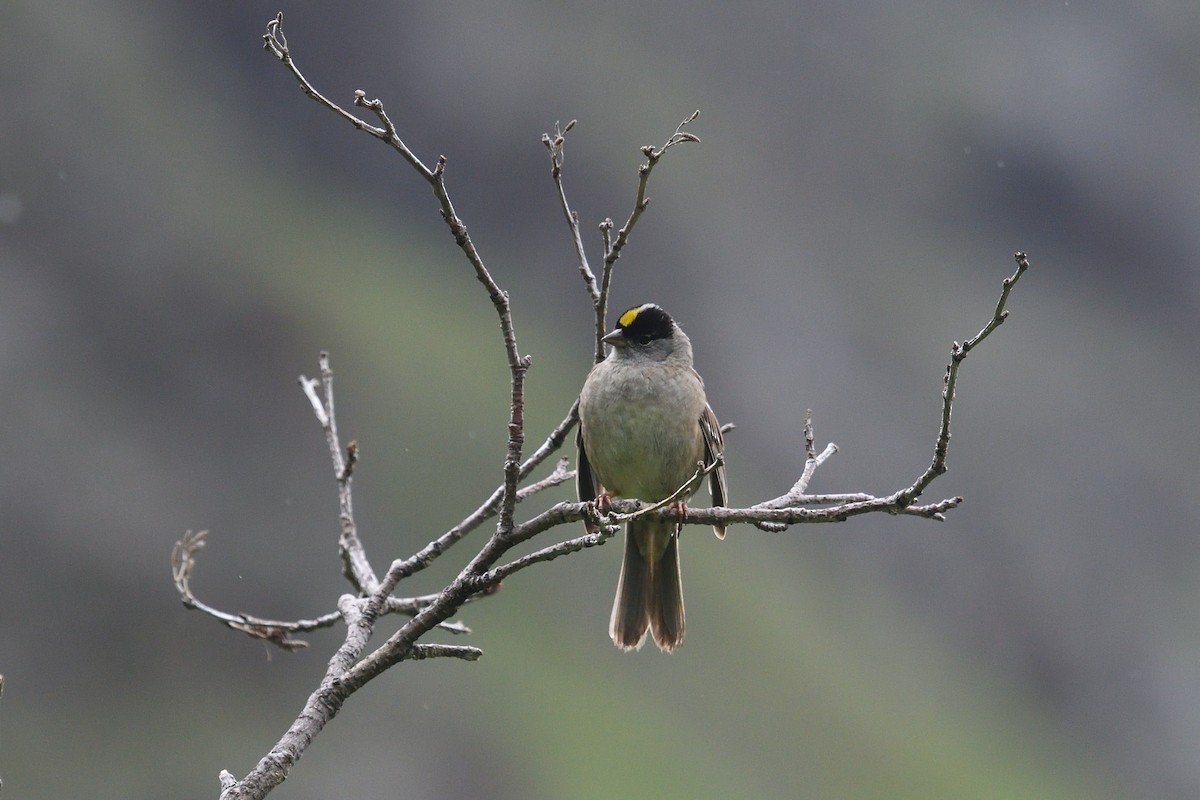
x: 644, y: 426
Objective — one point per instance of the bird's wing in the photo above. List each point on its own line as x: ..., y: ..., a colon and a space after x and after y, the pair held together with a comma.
x: 714, y: 447
x: 586, y: 485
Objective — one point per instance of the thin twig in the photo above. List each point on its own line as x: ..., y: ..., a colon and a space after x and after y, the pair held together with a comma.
x: 277, y: 632
x: 561, y: 474
x: 355, y: 565
x: 653, y: 155
x: 701, y: 470
x: 958, y: 354
x: 556, y: 147
x: 404, y: 568
x: 275, y: 41
x: 612, y: 247
x: 493, y: 576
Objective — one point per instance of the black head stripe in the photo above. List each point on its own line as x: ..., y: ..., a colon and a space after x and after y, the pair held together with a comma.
x: 645, y: 323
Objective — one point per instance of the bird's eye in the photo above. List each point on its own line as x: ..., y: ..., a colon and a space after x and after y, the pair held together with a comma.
x: 645, y: 338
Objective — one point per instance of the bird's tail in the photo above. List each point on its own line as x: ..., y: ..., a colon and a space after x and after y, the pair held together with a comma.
x: 650, y: 589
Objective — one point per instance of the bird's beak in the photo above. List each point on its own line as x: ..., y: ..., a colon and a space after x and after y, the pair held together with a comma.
x: 616, y: 338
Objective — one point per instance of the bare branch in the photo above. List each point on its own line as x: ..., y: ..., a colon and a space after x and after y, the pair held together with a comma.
x: 404, y: 568
x: 555, y: 146
x: 277, y: 632
x: 322, y: 705
x: 355, y: 565
x: 423, y: 651
x: 958, y: 354
x: 612, y: 248
x: 275, y: 41
x: 493, y: 576
x: 652, y: 158
x: 797, y: 494
x: 809, y: 445
x: 560, y: 475
x: 553, y: 442
x: 852, y: 506
x: 1000, y: 313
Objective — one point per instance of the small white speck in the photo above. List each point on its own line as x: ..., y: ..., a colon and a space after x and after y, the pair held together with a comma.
x: 1000, y: 164
x: 967, y: 150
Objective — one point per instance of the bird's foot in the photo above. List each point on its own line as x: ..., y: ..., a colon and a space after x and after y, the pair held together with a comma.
x: 680, y: 508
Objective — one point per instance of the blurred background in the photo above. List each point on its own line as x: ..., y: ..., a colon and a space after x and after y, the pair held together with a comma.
x: 181, y: 231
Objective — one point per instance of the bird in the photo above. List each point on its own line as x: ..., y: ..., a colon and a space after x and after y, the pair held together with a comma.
x: 645, y: 426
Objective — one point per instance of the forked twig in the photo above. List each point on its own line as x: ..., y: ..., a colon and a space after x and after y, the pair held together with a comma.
x: 612, y: 247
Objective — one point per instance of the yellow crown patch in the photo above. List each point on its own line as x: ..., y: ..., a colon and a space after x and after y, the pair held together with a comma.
x: 629, y: 316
